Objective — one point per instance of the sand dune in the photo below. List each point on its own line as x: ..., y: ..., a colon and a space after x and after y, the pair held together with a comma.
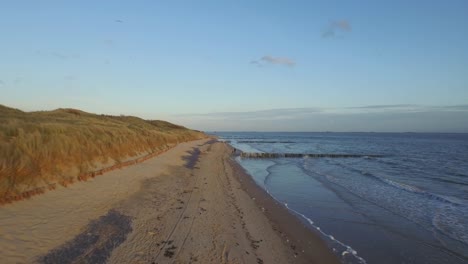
x: 42, y: 150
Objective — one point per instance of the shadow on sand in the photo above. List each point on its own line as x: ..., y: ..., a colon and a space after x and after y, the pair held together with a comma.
x: 95, y: 243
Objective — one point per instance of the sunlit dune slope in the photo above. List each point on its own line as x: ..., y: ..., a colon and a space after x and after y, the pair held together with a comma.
x: 40, y: 149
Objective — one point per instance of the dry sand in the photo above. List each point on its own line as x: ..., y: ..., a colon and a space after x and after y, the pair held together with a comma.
x: 192, y: 204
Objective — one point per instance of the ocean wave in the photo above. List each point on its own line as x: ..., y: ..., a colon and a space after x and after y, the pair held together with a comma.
x: 269, y: 175
x: 452, y: 181
x: 448, y: 215
x: 265, y: 141
x: 451, y: 220
x: 347, y: 253
x: 404, y: 186
x: 244, y: 147
x: 422, y: 185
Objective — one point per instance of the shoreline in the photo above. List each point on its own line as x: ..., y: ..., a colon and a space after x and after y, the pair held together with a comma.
x: 193, y: 203
x: 306, y: 245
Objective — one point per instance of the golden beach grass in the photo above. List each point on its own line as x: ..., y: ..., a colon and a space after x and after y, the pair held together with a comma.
x: 40, y: 149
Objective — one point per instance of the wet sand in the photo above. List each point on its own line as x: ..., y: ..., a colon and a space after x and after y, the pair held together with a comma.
x: 193, y: 204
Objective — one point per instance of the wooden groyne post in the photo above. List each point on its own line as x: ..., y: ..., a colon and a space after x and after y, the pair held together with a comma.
x: 255, y: 155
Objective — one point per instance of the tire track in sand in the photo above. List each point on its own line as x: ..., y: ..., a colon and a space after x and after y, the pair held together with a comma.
x: 181, y: 230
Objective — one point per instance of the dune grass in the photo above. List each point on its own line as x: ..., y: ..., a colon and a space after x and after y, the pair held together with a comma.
x: 41, y: 149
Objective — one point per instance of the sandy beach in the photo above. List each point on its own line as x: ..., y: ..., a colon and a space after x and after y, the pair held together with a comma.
x: 192, y: 204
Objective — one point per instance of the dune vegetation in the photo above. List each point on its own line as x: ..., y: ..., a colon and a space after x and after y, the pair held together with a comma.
x: 39, y: 150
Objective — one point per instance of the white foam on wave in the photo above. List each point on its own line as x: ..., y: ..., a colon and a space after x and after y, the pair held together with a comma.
x: 401, y: 186
x: 347, y: 253
x: 245, y: 147
x: 449, y: 220
x: 348, y: 249
x: 431, y: 211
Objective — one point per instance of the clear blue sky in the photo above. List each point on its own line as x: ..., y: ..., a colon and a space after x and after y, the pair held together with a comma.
x: 192, y: 61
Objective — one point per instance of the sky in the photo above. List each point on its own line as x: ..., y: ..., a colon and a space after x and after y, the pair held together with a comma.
x: 392, y: 66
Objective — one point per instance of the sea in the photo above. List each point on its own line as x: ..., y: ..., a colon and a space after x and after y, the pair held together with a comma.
x: 407, y: 205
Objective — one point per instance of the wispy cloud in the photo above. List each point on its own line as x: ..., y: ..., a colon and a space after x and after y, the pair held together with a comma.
x: 409, y: 108
x: 336, y: 27
x: 294, y: 113
x: 108, y: 43
x: 453, y: 107
x: 18, y: 80
x: 267, y: 59
x: 270, y: 114
x: 57, y: 55
x: 378, y: 118
x: 70, y: 77
x: 383, y: 106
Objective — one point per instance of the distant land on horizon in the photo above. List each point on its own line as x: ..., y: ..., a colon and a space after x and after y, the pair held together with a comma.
x: 336, y: 132
x: 377, y: 118
x: 398, y: 118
